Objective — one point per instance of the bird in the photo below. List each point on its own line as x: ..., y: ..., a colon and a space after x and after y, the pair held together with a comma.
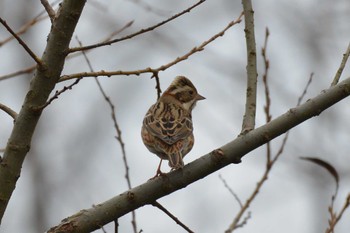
x: 167, y: 128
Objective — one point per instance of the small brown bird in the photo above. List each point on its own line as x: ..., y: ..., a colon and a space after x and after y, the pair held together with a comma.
x: 167, y: 129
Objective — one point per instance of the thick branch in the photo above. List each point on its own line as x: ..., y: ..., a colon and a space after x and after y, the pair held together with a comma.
x: 252, y: 73
x: 46, y: 76
x: 91, y: 219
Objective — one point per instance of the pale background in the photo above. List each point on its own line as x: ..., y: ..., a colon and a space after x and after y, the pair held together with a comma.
x: 75, y: 161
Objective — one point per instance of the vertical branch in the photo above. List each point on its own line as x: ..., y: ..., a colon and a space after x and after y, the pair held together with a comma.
x: 118, y: 137
x: 159, y: 90
x: 267, y: 92
x: 252, y: 74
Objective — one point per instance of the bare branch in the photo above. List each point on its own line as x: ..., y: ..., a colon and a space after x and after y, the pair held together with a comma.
x: 119, y: 133
x: 305, y: 89
x: 48, y: 9
x: 58, y: 93
x: 232, y: 152
x: 167, y: 212
x: 28, y: 24
x: 252, y: 73
x: 27, y: 70
x: 41, y: 86
x: 21, y: 42
x: 269, y: 162
x: 72, y: 50
x: 30, y: 69
x: 341, y: 67
x: 150, y: 70
x: 267, y: 91
x: 9, y: 111
x: 335, y: 218
x: 231, y: 191
x: 108, y: 38
x: 159, y: 90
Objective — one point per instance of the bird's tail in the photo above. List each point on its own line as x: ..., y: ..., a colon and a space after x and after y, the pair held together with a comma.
x: 175, y: 160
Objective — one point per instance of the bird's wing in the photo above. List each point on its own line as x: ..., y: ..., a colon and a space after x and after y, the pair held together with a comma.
x: 168, y: 122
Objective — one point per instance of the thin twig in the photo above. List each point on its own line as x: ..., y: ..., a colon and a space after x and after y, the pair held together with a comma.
x: 119, y: 133
x: 48, y: 9
x: 149, y: 7
x: 305, y: 89
x: 231, y: 191
x: 72, y: 50
x: 9, y: 111
x: 335, y: 218
x: 27, y: 70
x: 150, y: 70
x: 28, y: 24
x: 162, y: 208
x: 248, y: 123
x: 32, y: 68
x: 267, y: 90
x: 108, y: 38
x: 269, y: 163
x: 21, y: 42
x: 58, y: 93
x: 341, y: 67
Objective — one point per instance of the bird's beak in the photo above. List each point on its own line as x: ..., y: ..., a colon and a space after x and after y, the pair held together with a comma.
x: 199, y: 97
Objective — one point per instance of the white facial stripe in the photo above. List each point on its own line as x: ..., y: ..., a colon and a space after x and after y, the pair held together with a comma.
x: 180, y: 89
x: 188, y: 105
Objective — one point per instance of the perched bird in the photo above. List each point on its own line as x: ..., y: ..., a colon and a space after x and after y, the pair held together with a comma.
x: 167, y: 129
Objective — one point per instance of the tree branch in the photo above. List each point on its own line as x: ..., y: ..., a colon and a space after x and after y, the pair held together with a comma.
x: 21, y: 42
x: 42, y: 84
x: 105, y: 43
x: 18, y: 72
x: 252, y: 73
x: 48, y: 9
x: 27, y: 25
x: 173, y: 217
x: 155, y: 70
x: 118, y: 131
x: 9, y: 111
x: 341, y: 67
x: 90, y: 219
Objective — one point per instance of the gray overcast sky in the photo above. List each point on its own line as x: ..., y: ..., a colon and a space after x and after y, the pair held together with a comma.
x: 75, y: 161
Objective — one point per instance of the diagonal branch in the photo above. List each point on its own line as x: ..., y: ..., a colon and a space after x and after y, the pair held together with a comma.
x: 342, y: 66
x: 90, y: 219
x: 173, y: 217
x: 105, y: 43
x: 28, y: 25
x: 21, y: 42
x: 48, y: 9
x: 9, y: 111
x: 18, y: 72
x: 155, y: 70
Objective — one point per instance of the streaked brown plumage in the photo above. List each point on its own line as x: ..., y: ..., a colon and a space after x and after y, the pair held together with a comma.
x: 167, y: 129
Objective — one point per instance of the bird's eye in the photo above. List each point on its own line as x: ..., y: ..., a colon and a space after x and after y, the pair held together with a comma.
x: 191, y: 92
